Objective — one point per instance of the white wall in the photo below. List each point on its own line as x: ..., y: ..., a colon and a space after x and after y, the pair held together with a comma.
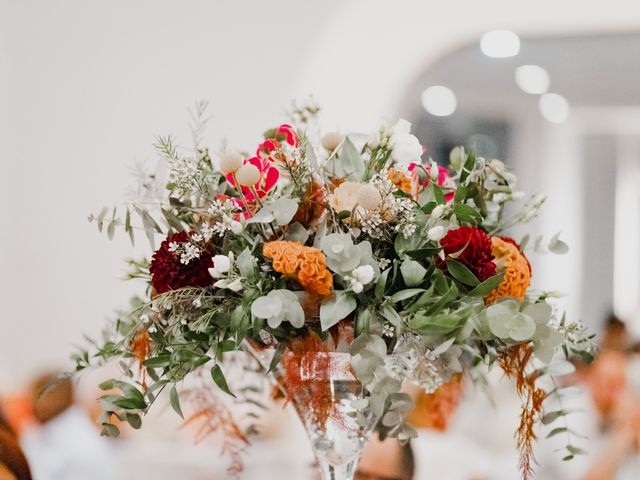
x: 85, y: 85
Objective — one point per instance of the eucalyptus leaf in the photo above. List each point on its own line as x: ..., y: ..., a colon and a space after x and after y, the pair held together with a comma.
x: 462, y: 273
x: 336, y: 309
x: 174, y: 399
x: 218, y: 377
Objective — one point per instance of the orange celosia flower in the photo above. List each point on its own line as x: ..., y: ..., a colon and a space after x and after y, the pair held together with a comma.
x: 517, y: 274
x: 307, y: 265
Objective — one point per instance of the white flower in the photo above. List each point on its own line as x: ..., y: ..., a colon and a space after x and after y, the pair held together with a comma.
x: 438, y: 211
x: 436, y: 233
x: 197, y: 302
x: 236, y: 227
x: 234, y: 285
x: 221, y: 265
x: 357, y: 287
x: 363, y: 274
x: 152, y: 329
x: 405, y: 148
x: 368, y: 197
x: 388, y: 330
x: 345, y: 197
x: 196, y: 237
x: 144, y: 318
x: 383, y: 263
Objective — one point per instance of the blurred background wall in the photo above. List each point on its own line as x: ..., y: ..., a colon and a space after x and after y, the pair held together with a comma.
x: 86, y: 85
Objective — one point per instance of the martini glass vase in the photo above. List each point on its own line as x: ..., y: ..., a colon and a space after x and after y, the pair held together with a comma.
x: 322, y: 389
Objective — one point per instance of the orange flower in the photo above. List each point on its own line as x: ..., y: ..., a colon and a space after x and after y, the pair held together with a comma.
x: 307, y: 265
x: 434, y: 410
x: 401, y: 181
x: 517, y: 274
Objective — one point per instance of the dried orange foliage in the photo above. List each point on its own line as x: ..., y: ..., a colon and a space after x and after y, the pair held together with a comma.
x: 211, y: 415
x: 401, y: 181
x: 517, y: 273
x: 434, y: 410
x: 514, y: 362
x: 140, y: 348
x: 303, y: 379
x: 312, y: 206
x: 307, y: 265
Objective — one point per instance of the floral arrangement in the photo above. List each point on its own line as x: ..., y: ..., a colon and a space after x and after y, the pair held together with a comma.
x: 353, y: 243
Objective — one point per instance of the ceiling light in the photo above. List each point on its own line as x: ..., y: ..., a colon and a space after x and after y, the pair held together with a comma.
x: 500, y: 44
x: 439, y: 101
x: 532, y: 79
x: 554, y: 107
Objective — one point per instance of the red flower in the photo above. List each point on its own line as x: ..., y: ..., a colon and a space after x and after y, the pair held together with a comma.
x: 167, y: 273
x: 476, y: 248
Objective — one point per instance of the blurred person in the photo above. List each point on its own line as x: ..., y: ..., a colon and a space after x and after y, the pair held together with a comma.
x: 65, y: 445
x: 386, y: 460
x: 13, y: 463
x: 607, y: 413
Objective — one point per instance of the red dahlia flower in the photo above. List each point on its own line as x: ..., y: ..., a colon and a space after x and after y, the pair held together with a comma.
x: 167, y: 273
x: 477, y: 255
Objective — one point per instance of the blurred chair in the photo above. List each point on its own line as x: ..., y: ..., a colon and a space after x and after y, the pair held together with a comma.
x: 65, y: 445
x: 13, y: 463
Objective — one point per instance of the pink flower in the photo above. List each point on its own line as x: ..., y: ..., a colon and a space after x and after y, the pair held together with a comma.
x: 266, y: 148
x: 291, y: 137
x: 443, y: 176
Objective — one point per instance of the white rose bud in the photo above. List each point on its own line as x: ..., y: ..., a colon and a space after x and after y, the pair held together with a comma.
x: 357, y: 287
x: 368, y: 197
x: 230, y: 162
x: 496, y: 165
x: 248, y: 175
x: 437, y: 211
x: 434, y: 172
x: 436, y: 233
x: 331, y: 140
x: 236, y: 227
x: 221, y: 264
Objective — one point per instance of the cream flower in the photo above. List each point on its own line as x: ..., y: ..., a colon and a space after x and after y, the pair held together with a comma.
x: 345, y: 197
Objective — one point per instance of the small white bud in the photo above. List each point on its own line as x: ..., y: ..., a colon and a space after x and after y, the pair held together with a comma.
x: 230, y: 162
x: 368, y: 197
x: 331, y: 140
x: 363, y: 274
x: 436, y: 233
x: 357, y: 287
x: 197, y: 302
x: 236, y: 227
x: 434, y: 172
x: 248, y: 175
x: 437, y: 211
